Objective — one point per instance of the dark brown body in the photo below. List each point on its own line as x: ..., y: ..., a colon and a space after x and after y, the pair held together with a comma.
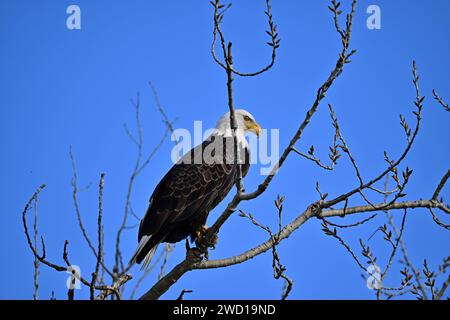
x: 180, y: 204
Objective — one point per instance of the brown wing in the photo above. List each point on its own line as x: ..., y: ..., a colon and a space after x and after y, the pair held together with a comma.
x: 189, y: 189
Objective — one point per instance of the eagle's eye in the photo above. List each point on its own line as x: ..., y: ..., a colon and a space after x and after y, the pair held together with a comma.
x: 247, y: 118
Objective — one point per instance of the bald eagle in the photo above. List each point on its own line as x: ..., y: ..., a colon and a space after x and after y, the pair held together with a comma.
x: 196, y: 184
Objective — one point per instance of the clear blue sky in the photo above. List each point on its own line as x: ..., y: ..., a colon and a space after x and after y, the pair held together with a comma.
x: 61, y: 88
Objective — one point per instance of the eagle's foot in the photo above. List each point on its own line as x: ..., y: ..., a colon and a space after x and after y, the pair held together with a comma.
x: 208, y: 243
x: 202, y: 240
x: 200, y: 243
x: 200, y: 234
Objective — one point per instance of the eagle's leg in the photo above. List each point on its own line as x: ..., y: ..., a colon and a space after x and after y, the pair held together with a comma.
x: 200, y: 234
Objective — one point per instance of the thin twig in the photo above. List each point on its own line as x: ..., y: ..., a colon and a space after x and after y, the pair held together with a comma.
x: 403, y: 247
x: 314, y: 159
x: 441, y: 185
x: 146, y: 273
x: 140, y: 165
x: 99, y: 235
x: 438, y: 222
x: 42, y: 257
x: 183, y: 292
x: 272, y: 32
x: 353, y: 224
x: 441, y: 101
x: 75, y: 190
x: 394, y: 164
x: 167, y: 251
x: 36, y: 260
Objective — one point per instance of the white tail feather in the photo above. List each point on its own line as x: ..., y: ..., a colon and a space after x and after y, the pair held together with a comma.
x: 139, y: 248
x: 149, y: 255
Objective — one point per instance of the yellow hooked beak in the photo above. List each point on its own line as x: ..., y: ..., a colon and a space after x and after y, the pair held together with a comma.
x: 255, y: 128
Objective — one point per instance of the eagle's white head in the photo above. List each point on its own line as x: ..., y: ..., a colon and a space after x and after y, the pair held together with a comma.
x: 245, y: 123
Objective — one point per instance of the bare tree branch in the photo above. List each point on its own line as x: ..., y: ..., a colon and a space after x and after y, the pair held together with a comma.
x: 193, y: 262
x: 343, y: 59
x: 441, y: 185
x: 75, y: 190
x: 277, y: 266
x: 146, y: 273
x: 441, y: 101
x: 311, y: 156
x: 441, y: 292
x: 115, y: 288
x: 394, y: 248
x: 408, y: 262
x: 36, y: 260
x: 183, y: 292
x: 351, y: 225
x: 272, y: 32
x: 99, y: 234
x: 167, y: 251
x: 393, y: 164
x: 140, y: 165
x: 42, y: 258
x: 438, y: 222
